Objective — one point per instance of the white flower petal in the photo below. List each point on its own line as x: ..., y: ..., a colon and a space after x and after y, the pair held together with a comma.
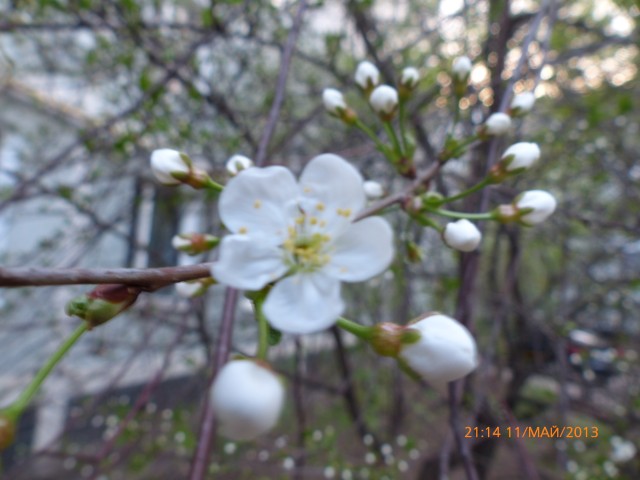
x: 462, y: 235
x: 304, y: 303
x: 247, y: 399
x: 541, y: 203
x: 247, y: 263
x: 260, y: 202
x: 332, y: 191
x: 364, y: 250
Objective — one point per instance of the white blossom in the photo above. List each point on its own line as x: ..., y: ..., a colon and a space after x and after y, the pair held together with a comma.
x: 622, y: 450
x: 247, y: 398
x: 462, y: 235
x: 384, y: 99
x: 237, y: 163
x: 446, y: 351
x: 523, y: 103
x: 165, y: 162
x: 367, y: 75
x: 373, y: 190
x: 333, y: 101
x: 498, y: 124
x: 410, y: 77
x: 300, y: 235
x: 523, y: 155
x: 461, y: 67
x: 541, y: 203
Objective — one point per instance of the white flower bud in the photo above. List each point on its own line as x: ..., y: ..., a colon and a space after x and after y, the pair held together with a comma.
x: 498, y: 124
x: 164, y: 162
x: 373, y: 190
x: 523, y: 155
x: 542, y: 204
x: 410, y: 77
x: 180, y: 242
x: 237, y: 163
x: 367, y: 75
x: 247, y: 398
x: 188, y: 289
x: 461, y: 67
x: 622, y: 450
x: 384, y: 99
x: 446, y: 351
x: 462, y: 235
x: 333, y: 100
x: 523, y: 103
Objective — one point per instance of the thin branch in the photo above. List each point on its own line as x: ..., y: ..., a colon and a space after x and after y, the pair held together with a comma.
x: 274, y: 113
x: 142, y: 277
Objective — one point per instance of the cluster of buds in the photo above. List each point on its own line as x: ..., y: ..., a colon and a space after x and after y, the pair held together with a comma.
x: 103, y: 303
x: 247, y: 397
x: 172, y: 168
x: 194, y: 243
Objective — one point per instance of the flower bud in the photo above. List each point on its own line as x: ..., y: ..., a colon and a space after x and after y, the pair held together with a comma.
x: 520, y: 156
x: 497, y: 124
x: 373, y: 190
x: 462, y: 235
x: 237, y: 163
x: 461, y: 68
x: 333, y: 101
x: 165, y: 163
x: 522, y: 104
x: 384, y: 100
x: 445, y: 351
x: 535, y: 206
x: 367, y: 75
x: 247, y: 398
x: 194, y: 288
x: 194, y: 243
x: 410, y: 78
x: 7, y: 431
x: 103, y: 303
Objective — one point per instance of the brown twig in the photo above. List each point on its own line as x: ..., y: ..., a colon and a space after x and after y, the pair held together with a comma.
x: 142, y: 277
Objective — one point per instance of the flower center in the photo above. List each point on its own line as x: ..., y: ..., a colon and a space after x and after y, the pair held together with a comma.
x: 306, y: 251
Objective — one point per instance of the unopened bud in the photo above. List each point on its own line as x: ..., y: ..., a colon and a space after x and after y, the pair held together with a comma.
x: 461, y: 69
x: 194, y: 243
x: 367, y: 76
x: 373, y: 190
x: 522, y: 104
x: 497, y: 124
x: 445, y: 350
x: 336, y: 105
x: 408, y: 81
x: 462, y: 235
x: 247, y: 397
x: 414, y: 252
x: 166, y: 163
x: 529, y: 208
x: 103, y: 303
x: 384, y: 101
x: 194, y: 288
x: 237, y: 163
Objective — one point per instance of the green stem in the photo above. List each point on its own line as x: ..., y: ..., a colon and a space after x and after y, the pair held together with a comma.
x: 402, y: 114
x: 214, y: 186
x: 263, y: 332
x: 391, y: 133
x: 360, y: 331
x: 473, y: 216
x: 381, y: 146
x: 28, y: 393
x: 467, y: 192
x: 424, y: 220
